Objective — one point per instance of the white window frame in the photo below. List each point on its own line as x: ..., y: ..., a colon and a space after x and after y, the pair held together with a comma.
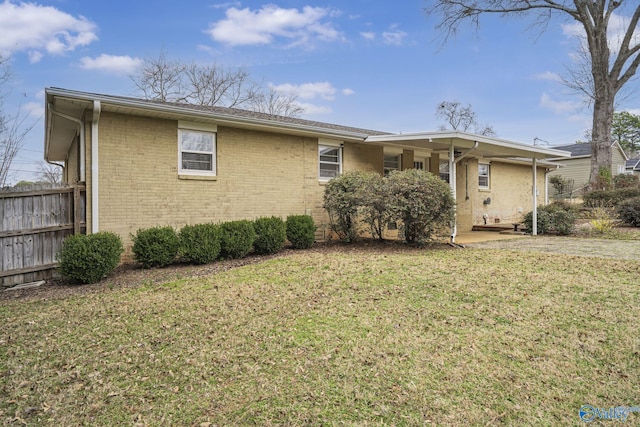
x: 392, y: 162
x: 487, y: 176
x: 200, y: 128
x: 418, y: 165
x: 329, y: 145
x: 443, y: 172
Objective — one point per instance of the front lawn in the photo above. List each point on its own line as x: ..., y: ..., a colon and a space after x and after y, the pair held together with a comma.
x: 367, y: 337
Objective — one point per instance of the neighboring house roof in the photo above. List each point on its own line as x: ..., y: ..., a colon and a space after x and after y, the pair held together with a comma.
x: 65, y: 109
x: 577, y: 150
x: 633, y: 164
x: 583, y: 149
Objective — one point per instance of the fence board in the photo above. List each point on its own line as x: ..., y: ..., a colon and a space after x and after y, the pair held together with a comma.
x: 33, y: 226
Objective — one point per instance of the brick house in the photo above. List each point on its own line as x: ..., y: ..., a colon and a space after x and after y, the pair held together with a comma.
x: 148, y: 163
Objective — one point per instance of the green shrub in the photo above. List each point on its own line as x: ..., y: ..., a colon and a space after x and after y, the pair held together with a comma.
x: 342, y: 200
x: 377, y: 200
x: 200, y: 243
x: 557, y: 218
x: 271, y: 233
x: 609, y: 198
x: 88, y: 258
x: 626, y: 180
x: 301, y: 231
x: 155, y: 247
x: 422, y: 201
x: 629, y: 211
x: 237, y: 238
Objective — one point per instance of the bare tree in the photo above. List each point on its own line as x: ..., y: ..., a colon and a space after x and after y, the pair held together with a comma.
x: 12, y: 128
x: 461, y: 118
x: 611, y: 69
x: 277, y: 104
x: 160, y: 79
x: 210, y: 85
x: 50, y: 173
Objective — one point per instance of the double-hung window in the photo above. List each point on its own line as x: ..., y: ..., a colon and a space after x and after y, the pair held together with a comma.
x: 483, y: 176
x: 391, y: 163
x: 330, y: 161
x: 443, y: 170
x: 197, y: 151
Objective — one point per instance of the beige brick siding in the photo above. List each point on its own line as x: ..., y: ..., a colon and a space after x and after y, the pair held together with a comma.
x: 258, y: 174
x: 510, y: 189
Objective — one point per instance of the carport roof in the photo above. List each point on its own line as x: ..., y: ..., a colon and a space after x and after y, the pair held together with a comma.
x: 488, y: 147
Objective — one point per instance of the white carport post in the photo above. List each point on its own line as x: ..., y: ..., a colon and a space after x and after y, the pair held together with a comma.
x: 452, y: 184
x: 534, y: 194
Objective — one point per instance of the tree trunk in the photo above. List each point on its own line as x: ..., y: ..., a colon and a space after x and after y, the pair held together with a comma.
x: 601, y: 150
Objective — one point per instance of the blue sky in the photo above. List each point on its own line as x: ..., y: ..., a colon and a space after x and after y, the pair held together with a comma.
x: 372, y: 64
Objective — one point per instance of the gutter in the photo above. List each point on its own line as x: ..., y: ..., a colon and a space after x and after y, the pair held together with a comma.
x: 95, y: 211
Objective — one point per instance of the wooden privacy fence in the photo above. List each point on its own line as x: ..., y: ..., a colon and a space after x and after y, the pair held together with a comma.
x: 35, y: 221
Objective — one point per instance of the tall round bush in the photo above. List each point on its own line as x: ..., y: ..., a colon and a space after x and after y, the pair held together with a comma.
x: 271, y: 233
x: 200, y: 243
x: 422, y: 201
x: 343, y: 197
x: 301, y: 231
x: 155, y: 247
x: 237, y: 238
x: 88, y: 258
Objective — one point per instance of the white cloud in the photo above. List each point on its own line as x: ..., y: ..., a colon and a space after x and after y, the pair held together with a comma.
x: 120, y: 65
x: 548, y: 75
x: 348, y: 92
x: 394, y: 37
x: 558, y: 107
x: 41, y: 29
x: 259, y: 27
x: 313, y: 109
x: 308, y: 91
x: 368, y: 35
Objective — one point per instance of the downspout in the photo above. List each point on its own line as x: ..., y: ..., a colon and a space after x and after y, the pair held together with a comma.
x: 534, y: 192
x: 452, y: 182
x: 94, y: 167
x: 82, y: 139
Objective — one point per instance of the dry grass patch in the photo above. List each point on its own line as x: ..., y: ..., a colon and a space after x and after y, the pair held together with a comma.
x: 473, y: 337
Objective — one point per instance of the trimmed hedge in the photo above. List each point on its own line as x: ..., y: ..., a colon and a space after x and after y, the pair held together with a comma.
x: 237, y: 238
x: 88, y: 258
x: 629, y: 211
x: 301, y: 231
x: 271, y: 233
x: 609, y: 198
x: 200, y: 243
x: 155, y: 247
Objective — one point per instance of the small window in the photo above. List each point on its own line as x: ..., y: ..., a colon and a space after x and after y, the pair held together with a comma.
x: 391, y: 163
x: 197, y: 152
x: 418, y: 165
x: 444, y: 170
x: 330, y: 160
x: 483, y: 176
